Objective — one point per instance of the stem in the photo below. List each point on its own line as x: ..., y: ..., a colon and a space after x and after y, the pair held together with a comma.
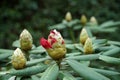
x: 71, y: 34
x: 27, y: 54
x: 59, y: 62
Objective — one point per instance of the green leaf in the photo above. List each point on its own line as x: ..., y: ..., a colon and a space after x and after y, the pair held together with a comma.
x: 85, y: 57
x: 34, y: 77
x: 6, y: 51
x: 86, y: 63
x: 39, y: 49
x: 79, y: 47
x: 99, y: 29
x: 72, y: 23
x: 73, y: 54
x: 89, y: 32
x: 51, y: 73
x: 110, y: 24
x: 108, y: 59
x: 85, y: 71
x: 67, y: 76
x: 111, y: 52
x: 114, y: 43
x: 103, y: 48
x: 28, y: 71
x: 5, y: 55
x: 12, y: 78
x: 57, y: 26
x: 16, y: 44
x: 77, y: 27
x: 5, y: 77
x: 35, y: 61
x: 106, y: 72
x: 18, y: 77
x: 100, y: 41
x: 67, y: 41
x: 70, y: 46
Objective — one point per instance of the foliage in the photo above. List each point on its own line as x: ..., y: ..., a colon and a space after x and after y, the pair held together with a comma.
x: 102, y: 64
x: 37, y: 15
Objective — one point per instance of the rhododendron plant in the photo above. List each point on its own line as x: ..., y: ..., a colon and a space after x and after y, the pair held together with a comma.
x: 54, y: 45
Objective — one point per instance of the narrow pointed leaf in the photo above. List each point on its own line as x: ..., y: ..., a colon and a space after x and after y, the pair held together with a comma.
x: 35, y: 61
x: 114, y: 43
x: 85, y: 71
x: 106, y: 72
x: 5, y: 55
x: 112, y: 51
x: 16, y: 43
x: 51, y: 73
x: 28, y: 71
x: 6, y: 51
x: 34, y: 77
x: 89, y: 32
x: 108, y: 59
x: 70, y: 46
x: 57, y: 26
x: 67, y: 76
x: 85, y: 57
x: 39, y: 49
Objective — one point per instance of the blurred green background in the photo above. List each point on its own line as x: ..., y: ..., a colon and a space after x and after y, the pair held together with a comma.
x: 38, y: 15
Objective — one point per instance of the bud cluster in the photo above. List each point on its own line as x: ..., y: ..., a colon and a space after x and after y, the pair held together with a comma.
x: 86, y: 41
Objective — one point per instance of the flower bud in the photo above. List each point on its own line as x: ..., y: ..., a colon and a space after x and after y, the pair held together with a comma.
x: 83, y: 36
x: 88, y: 48
x: 83, y: 20
x: 55, y: 45
x: 18, y: 59
x: 93, y: 20
x: 68, y: 17
x: 26, y: 40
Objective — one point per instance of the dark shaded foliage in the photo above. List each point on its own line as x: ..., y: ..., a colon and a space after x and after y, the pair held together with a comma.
x: 38, y: 15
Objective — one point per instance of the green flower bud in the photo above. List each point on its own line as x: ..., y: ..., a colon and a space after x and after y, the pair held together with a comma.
x: 83, y: 20
x: 68, y: 17
x: 83, y: 36
x: 88, y: 48
x: 93, y: 21
x: 26, y: 40
x: 18, y: 59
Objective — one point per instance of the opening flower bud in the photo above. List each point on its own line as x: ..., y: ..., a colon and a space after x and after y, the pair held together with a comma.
x: 68, y: 17
x: 88, y: 48
x: 83, y: 20
x: 83, y: 36
x: 26, y: 40
x: 55, y: 45
x: 18, y: 59
x: 93, y: 21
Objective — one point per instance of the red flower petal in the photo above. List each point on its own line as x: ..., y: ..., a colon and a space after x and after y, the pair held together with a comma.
x: 53, y: 40
x: 45, y: 43
x: 52, y: 31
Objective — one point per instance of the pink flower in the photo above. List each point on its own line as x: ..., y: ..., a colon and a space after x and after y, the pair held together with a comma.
x: 45, y: 43
x: 55, y: 45
x: 54, y: 37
